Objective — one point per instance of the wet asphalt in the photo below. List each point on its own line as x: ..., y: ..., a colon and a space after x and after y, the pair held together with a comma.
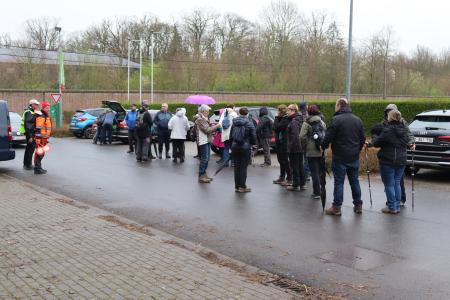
x: 368, y: 256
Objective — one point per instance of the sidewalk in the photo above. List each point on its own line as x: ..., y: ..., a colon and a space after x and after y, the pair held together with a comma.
x: 53, y: 247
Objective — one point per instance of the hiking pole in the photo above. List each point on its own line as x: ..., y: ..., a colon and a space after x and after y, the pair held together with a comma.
x: 413, y: 171
x: 368, y: 176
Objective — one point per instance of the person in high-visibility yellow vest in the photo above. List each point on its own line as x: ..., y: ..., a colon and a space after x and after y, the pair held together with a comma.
x: 27, y: 128
x: 42, y: 135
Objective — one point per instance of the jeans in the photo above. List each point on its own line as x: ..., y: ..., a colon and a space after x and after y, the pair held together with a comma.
x: 28, y: 155
x: 163, y: 140
x: 205, y: 154
x: 265, y: 144
x: 98, y: 134
x: 339, y: 171
x: 391, y: 177
x: 285, y: 169
x: 298, y: 172
x: 107, y: 133
x: 226, y: 151
x: 241, y: 160
x: 306, y: 166
x: 131, y: 138
x: 142, y: 145
x: 314, y: 166
x: 178, y: 148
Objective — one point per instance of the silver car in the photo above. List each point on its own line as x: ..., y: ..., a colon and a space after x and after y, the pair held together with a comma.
x: 17, y: 137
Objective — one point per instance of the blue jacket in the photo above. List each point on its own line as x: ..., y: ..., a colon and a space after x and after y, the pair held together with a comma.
x: 162, y: 122
x: 130, y: 119
x: 110, y: 118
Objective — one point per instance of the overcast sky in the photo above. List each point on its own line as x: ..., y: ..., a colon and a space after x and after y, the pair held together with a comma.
x: 414, y: 21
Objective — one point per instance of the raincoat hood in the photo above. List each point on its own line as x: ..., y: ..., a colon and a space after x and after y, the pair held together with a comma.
x: 240, y: 121
x: 263, y: 111
x: 181, y: 112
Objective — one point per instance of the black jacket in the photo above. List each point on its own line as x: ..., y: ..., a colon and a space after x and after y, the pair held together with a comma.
x: 393, y: 141
x: 264, y: 128
x: 293, y: 134
x: 29, y: 123
x: 346, y: 136
x: 144, y: 130
x: 250, y: 134
x: 280, y: 126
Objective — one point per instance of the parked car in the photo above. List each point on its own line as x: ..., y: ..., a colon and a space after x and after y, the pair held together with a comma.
x: 254, y: 114
x: 6, y: 151
x: 120, y: 131
x: 81, y: 122
x: 431, y: 130
x: 17, y: 137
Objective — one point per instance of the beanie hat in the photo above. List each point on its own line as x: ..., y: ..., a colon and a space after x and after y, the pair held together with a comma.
x: 45, y: 104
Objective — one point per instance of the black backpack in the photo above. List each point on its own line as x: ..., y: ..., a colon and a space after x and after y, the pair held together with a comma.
x: 239, y: 134
x: 318, y: 133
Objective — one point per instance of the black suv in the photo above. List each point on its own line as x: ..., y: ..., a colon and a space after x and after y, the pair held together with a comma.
x: 431, y: 130
x: 6, y: 151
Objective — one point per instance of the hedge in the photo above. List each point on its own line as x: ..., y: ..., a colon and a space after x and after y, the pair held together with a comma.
x: 371, y: 112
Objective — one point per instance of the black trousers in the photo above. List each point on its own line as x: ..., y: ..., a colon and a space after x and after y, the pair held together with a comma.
x: 314, y: 168
x: 28, y: 155
x: 131, y: 138
x: 298, y: 171
x: 163, y: 140
x: 241, y: 160
x: 178, y: 148
x: 402, y: 186
x: 285, y: 169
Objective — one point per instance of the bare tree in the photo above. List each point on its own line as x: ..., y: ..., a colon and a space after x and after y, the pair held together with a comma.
x: 40, y: 33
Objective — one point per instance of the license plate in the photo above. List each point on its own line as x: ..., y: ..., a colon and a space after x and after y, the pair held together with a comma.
x: 424, y: 140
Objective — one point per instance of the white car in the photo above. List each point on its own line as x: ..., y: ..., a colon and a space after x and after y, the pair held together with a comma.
x: 17, y: 137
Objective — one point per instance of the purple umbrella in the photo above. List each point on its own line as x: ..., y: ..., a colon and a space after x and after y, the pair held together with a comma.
x: 200, y: 99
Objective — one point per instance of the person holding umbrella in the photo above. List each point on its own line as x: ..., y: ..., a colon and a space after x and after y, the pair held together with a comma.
x: 311, y: 137
x: 204, y: 136
x: 243, y: 137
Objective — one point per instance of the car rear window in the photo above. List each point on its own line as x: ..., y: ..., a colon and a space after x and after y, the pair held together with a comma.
x: 14, y: 118
x: 79, y: 113
x: 95, y: 112
x: 434, y: 122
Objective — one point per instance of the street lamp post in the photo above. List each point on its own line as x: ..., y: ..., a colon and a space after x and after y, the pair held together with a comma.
x: 349, y: 55
x: 152, y: 57
x: 128, y: 67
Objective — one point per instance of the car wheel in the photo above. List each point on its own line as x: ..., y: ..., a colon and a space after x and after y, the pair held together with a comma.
x: 88, y: 133
x: 77, y: 135
x: 215, y: 149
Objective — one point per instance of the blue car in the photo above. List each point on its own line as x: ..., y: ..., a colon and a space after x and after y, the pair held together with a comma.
x: 81, y: 122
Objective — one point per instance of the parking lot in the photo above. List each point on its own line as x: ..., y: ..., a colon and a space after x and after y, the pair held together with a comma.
x: 270, y: 228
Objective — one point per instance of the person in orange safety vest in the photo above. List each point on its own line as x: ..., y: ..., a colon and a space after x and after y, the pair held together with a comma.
x: 42, y: 135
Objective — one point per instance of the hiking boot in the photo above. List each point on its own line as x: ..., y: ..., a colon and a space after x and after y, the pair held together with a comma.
x: 315, y: 197
x: 160, y: 156
x: 244, y: 190
x: 357, y: 209
x: 303, y: 187
x: 402, y: 204
x: 168, y: 156
x: 210, y: 178
x: 39, y: 171
x: 28, y: 168
x: 130, y: 151
x: 219, y: 162
x: 387, y: 210
x: 264, y: 165
x: 333, y: 211
x: 293, y: 188
x: 181, y: 160
x: 203, y: 179
x: 175, y: 160
x: 286, y: 183
x: 278, y: 181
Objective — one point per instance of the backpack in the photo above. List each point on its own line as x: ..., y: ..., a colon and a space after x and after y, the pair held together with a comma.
x: 140, y: 120
x: 318, y: 133
x: 226, y: 123
x: 239, y: 134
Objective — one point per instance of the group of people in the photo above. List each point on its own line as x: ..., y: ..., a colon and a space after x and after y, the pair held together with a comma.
x: 301, y: 141
x: 36, y: 125
x: 166, y: 126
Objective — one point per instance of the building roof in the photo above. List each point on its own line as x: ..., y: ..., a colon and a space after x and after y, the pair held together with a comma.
x: 22, y: 55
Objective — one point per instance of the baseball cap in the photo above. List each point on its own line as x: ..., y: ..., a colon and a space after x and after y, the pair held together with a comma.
x: 34, y: 101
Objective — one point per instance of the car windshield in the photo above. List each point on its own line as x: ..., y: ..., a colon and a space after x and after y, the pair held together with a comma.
x: 431, y: 122
x: 14, y: 118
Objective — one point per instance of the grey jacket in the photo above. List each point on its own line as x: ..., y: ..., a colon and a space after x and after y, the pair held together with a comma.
x: 306, y: 138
